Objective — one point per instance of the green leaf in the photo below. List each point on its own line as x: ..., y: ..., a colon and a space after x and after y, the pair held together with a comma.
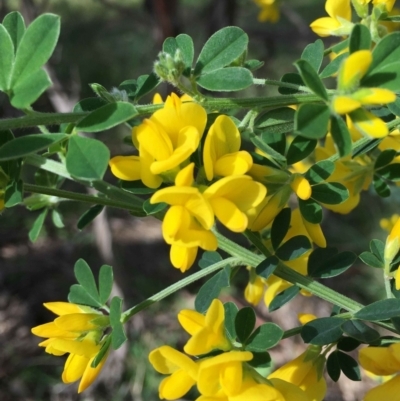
x: 264, y: 337
x: 333, y: 67
x: 57, y: 219
x: 14, y: 194
x: 78, y: 295
x: 299, y: 149
x: 36, y: 46
x: 226, y: 79
x: 385, y: 158
x: 320, y: 171
x: 275, y: 141
x: 244, y: 323
x: 221, y: 49
x: 277, y: 121
x: 37, y: 226
x: 314, y: 54
x: 25, y: 145
x: 260, y: 360
x: 322, y: 331
x: 231, y: 311
x: 377, y: 247
x: 360, y: 38
x: 136, y: 187
x: 87, y: 158
x: 381, y: 187
x: 379, y: 310
x: 89, y: 216
x: 102, y: 353
x: 327, y: 262
x: 311, y: 120
x: 211, y: 289
x: 384, y: 71
x: 267, y: 266
x: 209, y: 258
x: 6, y: 58
x: 146, y: 83
x: 390, y: 172
x: 310, y: 210
x: 107, y: 116
x: 264, y: 147
x: 253, y: 65
x: 184, y: 43
x: 118, y: 334
x: 349, y: 366
x: 394, y: 107
x: 333, y: 367
x: 360, y: 331
x: 28, y: 90
x: 348, y: 344
x: 280, y: 227
x: 341, y: 135
x: 106, y: 280
x: 290, y: 78
x: 15, y: 25
x: 371, y: 260
x: 331, y: 193
x: 311, y: 78
x: 150, y: 208
x: 293, y: 248
x: 85, y: 278
x: 283, y: 298
x: 365, y: 148
x: 89, y: 104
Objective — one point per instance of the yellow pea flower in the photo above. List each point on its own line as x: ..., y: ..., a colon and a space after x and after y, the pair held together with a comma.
x: 223, y: 373
x: 388, y: 224
x: 255, y: 288
x: 386, y: 5
x: 301, y: 187
x: 77, y: 331
x: 304, y: 374
x: 381, y: 361
x: 269, y: 10
x: 392, y: 244
x: 304, y: 318
x: 187, y: 223
x: 289, y: 391
x: 386, y: 391
x: 164, y: 141
x: 231, y: 198
x: 339, y: 21
x: 222, y: 155
x: 208, y: 332
x: 182, y: 370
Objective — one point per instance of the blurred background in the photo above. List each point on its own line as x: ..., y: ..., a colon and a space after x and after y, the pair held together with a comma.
x: 107, y: 42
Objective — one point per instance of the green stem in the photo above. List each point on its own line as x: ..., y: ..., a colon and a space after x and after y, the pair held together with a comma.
x: 36, y: 119
x: 175, y: 287
x: 74, y: 196
x: 281, y: 84
x: 388, y: 290
x: 286, y: 273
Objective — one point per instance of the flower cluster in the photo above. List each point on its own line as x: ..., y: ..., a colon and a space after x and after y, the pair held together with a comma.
x: 77, y: 331
x: 226, y: 375
x: 222, y: 190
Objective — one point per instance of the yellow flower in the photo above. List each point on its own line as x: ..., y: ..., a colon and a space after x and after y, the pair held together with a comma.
x: 339, y: 21
x: 304, y: 318
x: 269, y: 10
x: 232, y: 198
x: 208, y: 332
x: 165, y: 141
x: 388, y: 224
x: 386, y: 5
x: 392, y: 244
x: 222, y: 155
x: 382, y: 361
x: 304, y: 373
x: 352, y: 98
x: 77, y: 331
x: 222, y: 373
x: 255, y: 288
x: 187, y: 223
x: 182, y: 370
x: 301, y: 187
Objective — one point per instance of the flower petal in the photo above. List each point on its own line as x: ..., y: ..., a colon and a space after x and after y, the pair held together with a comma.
x: 74, y: 367
x: 182, y: 257
x: 90, y: 374
x: 126, y: 167
x: 229, y: 214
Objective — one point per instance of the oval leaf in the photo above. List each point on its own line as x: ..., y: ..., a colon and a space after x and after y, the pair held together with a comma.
x: 294, y: 248
x: 6, y: 58
x: 380, y: 310
x: 226, y: 79
x: 312, y: 120
x: 87, y: 158
x: 325, y: 330
x: 221, y: 49
x: 244, y: 323
x: 107, y: 116
x: 26, y: 145
x: 264, y: 337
